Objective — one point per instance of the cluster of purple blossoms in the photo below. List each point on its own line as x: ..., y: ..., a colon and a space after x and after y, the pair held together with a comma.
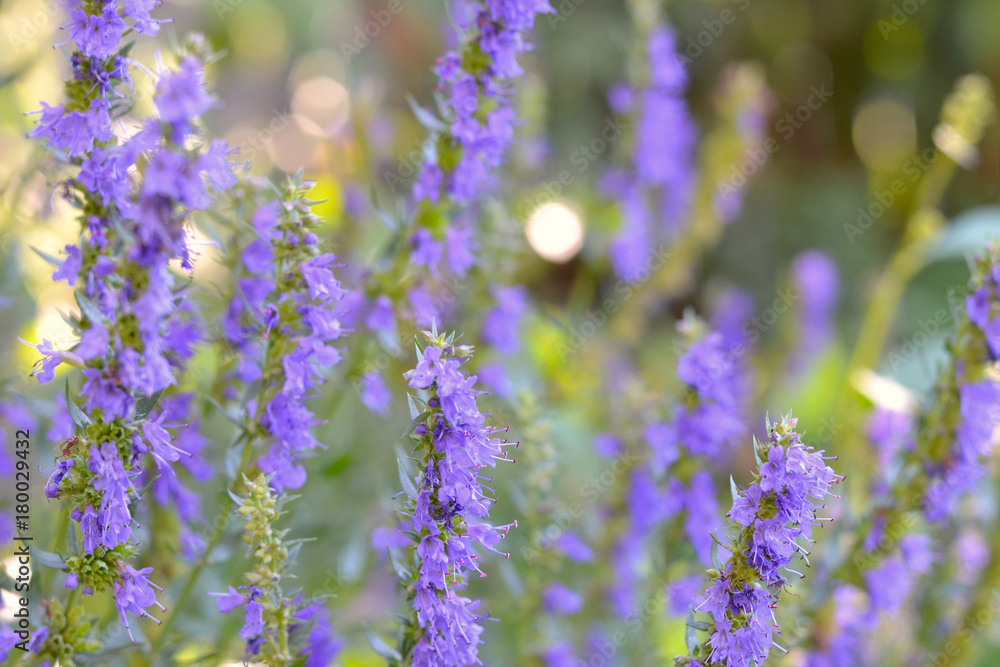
x: 704, y: 425
x: 776, y: 513
x: 978, y: 398
x: 280, y: 323
x: 450, y: 506
x: 478, y: 126
x: 169, y: 489
x: 850, y: 638
x: 274, y: 625
x: 135, y: 196
x: 656, y: 192
x: 892, y: 434
x: 475, y: 85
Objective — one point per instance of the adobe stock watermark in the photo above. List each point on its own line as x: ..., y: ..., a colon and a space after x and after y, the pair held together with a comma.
x: 927, y: 331
x: 581, y: 158
x: 562, y: 12
x: 786, y: 126
x: 605, y: 651
x: 697, y: 44
x: 972, y: 625
x: 901, y: 14
x: 21, y: 33
x: 370, y: 30
x: 407, y: 166
x: 591, y: 492
x: 912, y: 169
x: 624, y: 290
x: 258, y: 141
x: 223, y: 7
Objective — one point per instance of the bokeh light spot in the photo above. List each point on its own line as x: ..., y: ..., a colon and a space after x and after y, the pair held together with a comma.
x: 555, y: 232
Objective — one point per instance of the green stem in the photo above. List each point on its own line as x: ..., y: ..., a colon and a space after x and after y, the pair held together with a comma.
x: 203, y: 561
x: 923, y: 221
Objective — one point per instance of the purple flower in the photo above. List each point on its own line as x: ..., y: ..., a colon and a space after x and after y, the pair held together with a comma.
x: 323, y: 646
x: 574, y: 547
x: 115, y: 486
x: 320, y: 279
x: 457, y: 446
x: 8, y: 640
x: 559, y: 599
x: 56, y: 478
x: 134, y: 593
x: 501, y: 324
x: 461, y: 248
x: 663, y: 165
x: 254, y: 621
x: 180, y: 96
x: 382, y: 318
x: 606, y: 445
x: 560, y: 655
x: 816, y: 280
x: 70, y: 267
x: 479, y: 118
x: 97, y: 35
x: 374, y: 393
x: 38, y: 639
x: 426, y: 250
x: 742, y: 598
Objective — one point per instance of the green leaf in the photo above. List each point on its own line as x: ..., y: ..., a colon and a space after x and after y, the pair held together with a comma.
x: 401, y: 572
x: 233, y: 458
x: 714, y: 553
x: 75, y: 413
x: 414, y: 410
x: 54, y: 261
x: 419, y: 419
x: 379, y: 646
x: 425, y: 117
x: 404, y: 479
x: 90, y: 309
x: 146, y: 404
x: 732, y: 488
x: 699, y: 625
x: 966, y: 235
x: 690, y: 634
x: 48, y: 559
x: 145, y: 489
x: 223, y: 411
x: 338, y: 465
x: 72, y: 541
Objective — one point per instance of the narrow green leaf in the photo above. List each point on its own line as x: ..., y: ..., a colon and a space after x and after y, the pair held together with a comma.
x: 379, y: 646
x: 425, y: 117
x: 714, y: 553
x: 690, y: 634
x: 223, y: 411
x: 75, y: 413
x: 416, y: 421
x: 146, y: 404
x: 401, y: 572
x: 405, y: 480
x: 54, y: 261
x: 90, y: 309
x: 48, y: 559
